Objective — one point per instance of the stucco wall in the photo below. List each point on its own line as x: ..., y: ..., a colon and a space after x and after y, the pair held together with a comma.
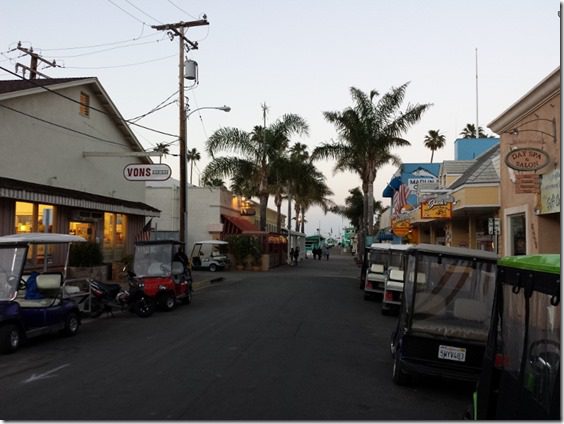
x: 33, y: 144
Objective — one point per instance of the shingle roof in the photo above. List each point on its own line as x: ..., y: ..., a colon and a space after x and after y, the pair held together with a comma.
x: 8, y: 86
x: 456, y: 166
x: 485, y: 169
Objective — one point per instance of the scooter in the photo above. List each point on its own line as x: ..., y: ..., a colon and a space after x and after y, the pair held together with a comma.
x: 108, y: 296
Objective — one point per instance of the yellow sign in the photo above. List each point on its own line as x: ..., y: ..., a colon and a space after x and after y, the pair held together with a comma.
x: 401, y: 228
x: 436, y: 210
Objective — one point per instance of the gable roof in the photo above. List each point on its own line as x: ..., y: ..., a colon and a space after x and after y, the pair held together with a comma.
x: 485, y: 169
x: 10, y: 89
x: 455, y: 166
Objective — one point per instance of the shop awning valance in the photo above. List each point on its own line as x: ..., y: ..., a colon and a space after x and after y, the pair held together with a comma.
x: 238, y: 225
x: 39, y: 193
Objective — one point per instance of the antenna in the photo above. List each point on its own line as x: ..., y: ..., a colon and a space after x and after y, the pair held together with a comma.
x: 477, y: 131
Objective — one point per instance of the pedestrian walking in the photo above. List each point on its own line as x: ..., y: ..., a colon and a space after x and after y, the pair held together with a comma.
x: 296, y: 255
x: 326, y: 252
x: 292, y: 256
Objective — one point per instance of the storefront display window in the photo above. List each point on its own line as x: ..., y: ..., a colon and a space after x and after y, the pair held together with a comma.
x: 114, y: 236
x: 518, y: 234
x: 24, y: 217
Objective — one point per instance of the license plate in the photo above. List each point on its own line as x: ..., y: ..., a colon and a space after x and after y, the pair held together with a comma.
x: 452, y: 353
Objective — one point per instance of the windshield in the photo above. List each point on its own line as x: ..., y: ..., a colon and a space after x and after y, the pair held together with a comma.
x: 11, y: 264
x: 397, y: 260
x: 152, y: 260
x: 379, y: 257
x: 452, y: 298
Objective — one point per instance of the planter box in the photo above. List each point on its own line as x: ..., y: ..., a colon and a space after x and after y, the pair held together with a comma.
x: 96, y: 272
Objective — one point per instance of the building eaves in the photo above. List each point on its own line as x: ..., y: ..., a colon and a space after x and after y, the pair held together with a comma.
x: 485, y: 169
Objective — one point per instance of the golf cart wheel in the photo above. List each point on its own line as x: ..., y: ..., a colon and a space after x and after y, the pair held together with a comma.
x: 398, y: 375
x: 72, y: 323
x: 213, y: 267
x: 10, y: 338
x: 186, y: 300
x: 143, y: 307
x: 167, y: 302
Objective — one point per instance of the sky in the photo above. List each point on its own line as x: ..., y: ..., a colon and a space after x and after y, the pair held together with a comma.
x: 298, y: 57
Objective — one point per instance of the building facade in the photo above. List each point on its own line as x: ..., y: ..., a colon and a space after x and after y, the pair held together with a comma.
x: 530, y: 131
x: 64, y: 149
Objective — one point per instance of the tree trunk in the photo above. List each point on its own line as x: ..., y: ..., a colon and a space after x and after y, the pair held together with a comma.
x: 263, y: 208
x: 302, y: 222
x: 297, y: 210
x: 278, y: 203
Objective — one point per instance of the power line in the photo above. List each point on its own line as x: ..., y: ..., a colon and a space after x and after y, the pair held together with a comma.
x: 144, y: 13
x: 118, y: 66
x: 182, y: 10
x: 91, y: 107
x: 126, y: 12
x: 157, y: 107
x: 113, y: 43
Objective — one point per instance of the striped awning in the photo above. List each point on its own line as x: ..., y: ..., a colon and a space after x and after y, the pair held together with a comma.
x: 32, y: 192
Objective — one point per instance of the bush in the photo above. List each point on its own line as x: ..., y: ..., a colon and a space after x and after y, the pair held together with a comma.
x: 85, y: 255
x: 242, y: 246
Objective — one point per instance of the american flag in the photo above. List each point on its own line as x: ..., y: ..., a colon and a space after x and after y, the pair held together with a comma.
x: 400, y: 198
x: 145, y: 233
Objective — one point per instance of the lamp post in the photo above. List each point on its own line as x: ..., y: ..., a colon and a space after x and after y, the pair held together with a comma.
x: 183, y: 177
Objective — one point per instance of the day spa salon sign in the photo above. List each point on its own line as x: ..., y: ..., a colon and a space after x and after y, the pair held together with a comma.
x: 526, y: 159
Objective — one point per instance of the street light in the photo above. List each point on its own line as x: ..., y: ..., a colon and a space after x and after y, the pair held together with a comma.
x: 183, y: 179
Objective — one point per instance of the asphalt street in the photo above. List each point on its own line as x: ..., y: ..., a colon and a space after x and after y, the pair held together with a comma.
x: 294, y: 343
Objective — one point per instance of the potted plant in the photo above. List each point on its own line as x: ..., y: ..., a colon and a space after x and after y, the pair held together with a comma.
x: 87, y: 261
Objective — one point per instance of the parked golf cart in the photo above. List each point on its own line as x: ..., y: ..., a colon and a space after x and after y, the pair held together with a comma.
x: 521, y: 375
x: 161, y: 271
x: 393, y: 281
x: 34, y: 302
x: 210, y: 255
x: 445, y: 315
x: 378, y: 260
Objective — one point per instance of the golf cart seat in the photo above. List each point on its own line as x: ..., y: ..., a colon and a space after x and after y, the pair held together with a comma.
x: 395, y: 280
x: 470, y: 309
x: 48, y: 285
x: 155, y: 269
x: 177, y: 268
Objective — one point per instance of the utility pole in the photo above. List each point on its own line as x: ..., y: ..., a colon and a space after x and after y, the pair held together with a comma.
x: 178, y: 30
x: 34, y: 60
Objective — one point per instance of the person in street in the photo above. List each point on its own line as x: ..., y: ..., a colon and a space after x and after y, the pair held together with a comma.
x: 296, y: 255
x: 292, y: 256
x: 326, y: 252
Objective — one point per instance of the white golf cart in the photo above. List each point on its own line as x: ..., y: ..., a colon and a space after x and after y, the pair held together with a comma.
x: 393, y: 282
x: 210, y: 255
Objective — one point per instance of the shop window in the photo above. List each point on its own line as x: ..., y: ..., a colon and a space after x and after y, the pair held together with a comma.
x: 24, y: 217
x: 114, y: 235
x: 517, y: 234
x: 85, y: 230
x: 84, y: 104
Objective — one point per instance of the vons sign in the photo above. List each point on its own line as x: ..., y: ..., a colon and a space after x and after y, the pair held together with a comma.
x: 144, y: 172
x: 526, y: 159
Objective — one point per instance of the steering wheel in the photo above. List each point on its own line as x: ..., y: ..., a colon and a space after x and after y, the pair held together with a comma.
x: 165, y: 268
x: 546, y: 359
x: 22, y: 284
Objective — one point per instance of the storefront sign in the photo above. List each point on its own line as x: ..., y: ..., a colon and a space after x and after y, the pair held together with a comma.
x: 144, y: 172
x: 400, y: 228
x: 413, y: 183
x: 526, y: 159
x: 527, y: 183
x: 550, y: 192
x: 436, y: 209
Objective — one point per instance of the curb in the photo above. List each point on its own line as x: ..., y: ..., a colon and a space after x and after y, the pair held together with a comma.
x: 202, y: 284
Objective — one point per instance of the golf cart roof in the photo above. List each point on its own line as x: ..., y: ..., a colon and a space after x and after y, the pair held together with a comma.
x: 156, y: 242
x: 380, y: 246
x: 437, y: 249
x: 41, y: 238
x: 211, y: 242
x: 549, y: 263
x: 401, y: 247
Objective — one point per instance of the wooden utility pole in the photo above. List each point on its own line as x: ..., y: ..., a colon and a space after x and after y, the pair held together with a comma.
x: 34, y: 61
x: 177, y: 30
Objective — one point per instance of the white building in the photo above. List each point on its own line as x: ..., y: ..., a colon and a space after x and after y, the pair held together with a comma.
x: 50, y: 181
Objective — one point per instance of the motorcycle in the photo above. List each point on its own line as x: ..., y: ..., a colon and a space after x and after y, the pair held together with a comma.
x: 108, y: 296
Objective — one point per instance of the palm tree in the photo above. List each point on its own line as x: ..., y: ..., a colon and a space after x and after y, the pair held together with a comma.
x: 256, y: 151
x: 192, y: 156
x: 162, y: 148
x: 469, y: 131
x: 434, y: 141
x: 367, y: 132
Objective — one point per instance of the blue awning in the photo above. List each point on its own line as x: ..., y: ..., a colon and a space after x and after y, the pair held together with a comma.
x: 392, y: 186
x: 384, y: 236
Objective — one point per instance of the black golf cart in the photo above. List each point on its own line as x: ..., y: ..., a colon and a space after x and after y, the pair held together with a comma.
x: 521, y: 374
x: 445, y: 315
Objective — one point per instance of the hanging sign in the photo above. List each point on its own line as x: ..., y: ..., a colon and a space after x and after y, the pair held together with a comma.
x: 526, y: 159
x: 401, y: 228
x: 147, y: 172
x: 436, y: 209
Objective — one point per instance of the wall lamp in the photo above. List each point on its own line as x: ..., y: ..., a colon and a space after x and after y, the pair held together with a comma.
x: 516, y: 131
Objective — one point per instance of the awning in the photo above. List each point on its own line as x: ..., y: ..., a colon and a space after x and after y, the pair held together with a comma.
x: 238, y: 225
x: 32, y: 192
x: 392, y: 186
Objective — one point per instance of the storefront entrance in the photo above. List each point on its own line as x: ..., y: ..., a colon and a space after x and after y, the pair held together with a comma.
x: 87, y: 230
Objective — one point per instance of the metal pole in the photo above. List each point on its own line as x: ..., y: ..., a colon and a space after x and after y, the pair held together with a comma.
x: 182, y: 140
